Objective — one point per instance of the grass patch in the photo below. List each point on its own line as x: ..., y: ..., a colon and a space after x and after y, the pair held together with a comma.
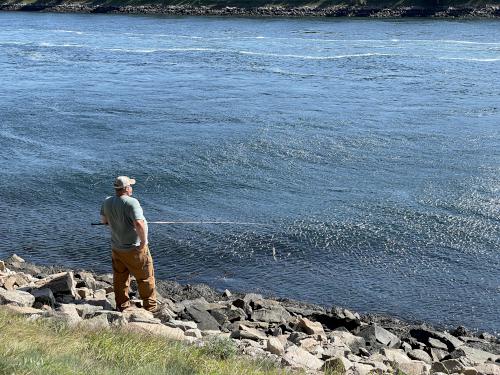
x: 46, y: 347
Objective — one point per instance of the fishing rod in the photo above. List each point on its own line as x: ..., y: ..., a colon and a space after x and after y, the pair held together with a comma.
x: 195, y: 222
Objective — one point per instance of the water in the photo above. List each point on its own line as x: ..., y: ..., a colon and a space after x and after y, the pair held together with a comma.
x: 369, y: 150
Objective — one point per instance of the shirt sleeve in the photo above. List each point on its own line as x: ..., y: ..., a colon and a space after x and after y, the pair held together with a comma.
x: 136, y: 212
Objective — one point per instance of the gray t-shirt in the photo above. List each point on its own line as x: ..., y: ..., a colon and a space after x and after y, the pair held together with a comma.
x: 121, y: 212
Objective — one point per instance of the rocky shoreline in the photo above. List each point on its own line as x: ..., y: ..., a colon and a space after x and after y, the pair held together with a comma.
x: 488, y: 11
x: 293, y: 334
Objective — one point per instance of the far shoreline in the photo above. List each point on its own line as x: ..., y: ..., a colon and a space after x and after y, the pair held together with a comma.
x: 335, y: 11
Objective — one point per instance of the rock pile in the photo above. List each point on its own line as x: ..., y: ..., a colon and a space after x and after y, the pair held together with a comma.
x: 291, y: 333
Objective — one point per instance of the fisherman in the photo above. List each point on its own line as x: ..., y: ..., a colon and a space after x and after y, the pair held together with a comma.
x: 129, y: 244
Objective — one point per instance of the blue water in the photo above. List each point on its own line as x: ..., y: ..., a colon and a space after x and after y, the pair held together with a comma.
x: 368, y: 150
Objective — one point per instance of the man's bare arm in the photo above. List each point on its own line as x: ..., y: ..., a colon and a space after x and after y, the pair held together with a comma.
x: 140, y: 228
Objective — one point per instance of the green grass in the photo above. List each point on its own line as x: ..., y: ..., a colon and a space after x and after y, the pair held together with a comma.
x: 45, y: 347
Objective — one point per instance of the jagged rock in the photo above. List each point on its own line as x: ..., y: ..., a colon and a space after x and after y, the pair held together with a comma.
x: 107, y: 278
x: 438, y: 344
x: 298, y: 357
x: 396, y: 355
x: 420, y: 355
x: 414, y: 368
x: 184, y: 325
x: 84, y: 292
x: 475, y: 355
x: 353, y: 342
x: 438, y: 368
x: 16, y: 280
x: 335, y: 351
x: 452, y: 365
x: 469, y: 371
x: 376, y: 336
x: 2, y: 266
x: 14, y: 258
x: 201, y: 304
x: 68, y: 314
x: 115, y: 318
x: 245, y: 332
x: 488, y: 369
x: 248, y: 302
x: 406, y: 347
x: 16, y: 297
x: 44, y: 296
x: 229, y: 314
x: 97, y: 322
x: 274, y: 314
x: 275, y: 346
x: 193, y: 332
x: 104, y: 303
x: 438, y: 354
x: 202, y: 317
x: 310, y: 327
x: 361, y: 368
x: 86, y: 280
x: 165, y: 314
x: 86, y: 310
x: 295, y: 337
x: 309, y: 344
x: 156, y: 329
x: 59, y: 283
x: 227, y: 293
x: 424, y: 335
x: 337, y: 317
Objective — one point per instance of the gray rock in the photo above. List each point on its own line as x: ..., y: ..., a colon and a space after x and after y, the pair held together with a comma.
x: 26, y: 311
x: 423, y: 334
x: 396, y: 355
x: 244, y: 332
x: 298, y: 357
x: 353, y: 342
x: 165, y: 314
x: 248, y: 303
x: 201, y: 304
x: 87, y: 311
x: 16, y: 297
x: 2, y: 266
x: 86, y: 280
x: 44, y: 296
x: 438, y: 354
x: 374, y: 334
x: 475, y: 355
x: 438, y: 368
x: 97, y: 322
x: 275, y: 346
x: 157, y: 330
x: 420, y: 355
x: 337, y: 317
x: 415, y: 368
x: 115, y: 318
x: 438, y: 344
x: 274, y: 314
x: 488, y: 369
x: 453, y: 365
x: 14, y: 258
x: 295, y: 337
x: 310, y: 327
x: 227, y: 293
x: 60, y: 283
x: 335, y: 352
x: 68, y: 314
x: 184, y: 325
x: 193, y: 332
x: 203, y: 318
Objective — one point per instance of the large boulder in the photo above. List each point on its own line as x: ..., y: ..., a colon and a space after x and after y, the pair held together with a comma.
x: 68, y: 314
x: 273, y: 314
x: 298, y: 357
x: 244, y: 332
x: 249, y: 302
x: 353, y: 342
x: 488, y: 369
x: 415, y: 368
x: 423, y: 334
x: 44, y: 296
x: 476, y: 356
x: 376, y: 336
x: 310, y: 327
x: 156, y: 329
x: 59, y: 283
x: 275, y: 346
x: 337, y: 317
x: 16, y: 297
x: 419, y: 355
x: 202, y: 317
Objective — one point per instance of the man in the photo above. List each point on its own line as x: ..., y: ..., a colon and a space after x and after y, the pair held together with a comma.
x: 129, y: 243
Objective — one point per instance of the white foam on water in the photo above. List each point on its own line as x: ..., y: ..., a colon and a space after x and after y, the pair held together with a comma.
x: 45, y: 44
x: 474, y: 59
x: 68, y: 31
x: 308, y: 57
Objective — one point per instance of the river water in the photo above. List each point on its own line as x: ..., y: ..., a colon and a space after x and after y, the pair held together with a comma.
x: 367, y: 150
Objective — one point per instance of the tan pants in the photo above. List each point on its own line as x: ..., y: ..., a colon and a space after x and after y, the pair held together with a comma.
x: 140, y: 265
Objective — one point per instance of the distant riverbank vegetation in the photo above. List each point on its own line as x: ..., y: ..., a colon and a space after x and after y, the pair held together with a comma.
x: 334, y: 8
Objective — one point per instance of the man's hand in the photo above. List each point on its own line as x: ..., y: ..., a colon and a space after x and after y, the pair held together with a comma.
x: 104, y: 220
x: 140, y: 228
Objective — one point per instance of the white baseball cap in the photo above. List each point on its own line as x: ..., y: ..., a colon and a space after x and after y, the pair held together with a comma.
x: 122, y: 182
